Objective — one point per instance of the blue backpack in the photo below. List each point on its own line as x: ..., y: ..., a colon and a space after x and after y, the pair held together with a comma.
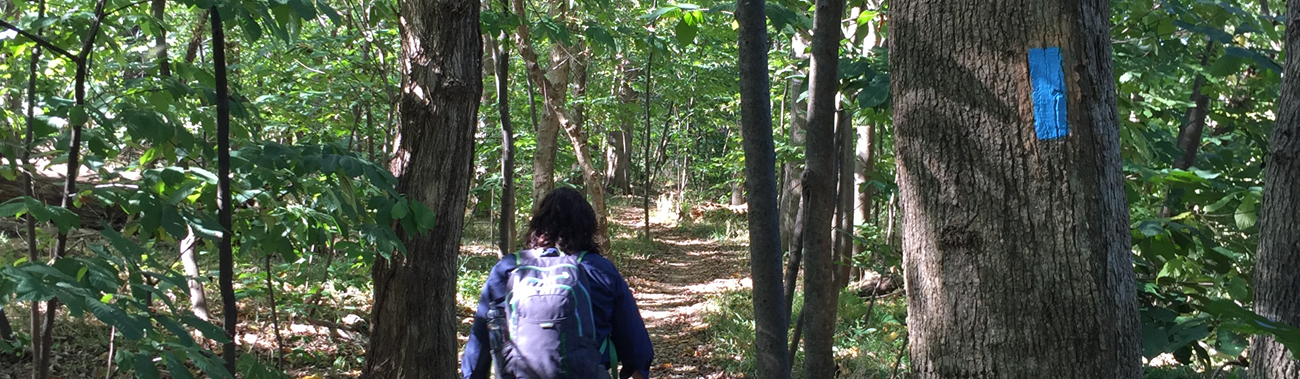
x: 551, y: 327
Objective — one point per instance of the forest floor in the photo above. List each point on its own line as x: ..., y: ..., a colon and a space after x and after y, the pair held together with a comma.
x: 672, y: 283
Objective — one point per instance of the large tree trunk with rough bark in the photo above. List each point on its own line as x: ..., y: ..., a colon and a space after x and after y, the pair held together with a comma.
x: 771, y: 319
x: 820, y: 293
x: 1277, y: 262
x: 413, y: 332
x: 1016, y: 238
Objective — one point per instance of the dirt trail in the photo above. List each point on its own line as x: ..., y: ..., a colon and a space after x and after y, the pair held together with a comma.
x: 672, y: 286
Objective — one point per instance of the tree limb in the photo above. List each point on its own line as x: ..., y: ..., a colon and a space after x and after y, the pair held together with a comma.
x: 40, y: 41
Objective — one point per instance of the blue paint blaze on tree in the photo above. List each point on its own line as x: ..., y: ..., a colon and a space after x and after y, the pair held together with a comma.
x: 1048, y: 81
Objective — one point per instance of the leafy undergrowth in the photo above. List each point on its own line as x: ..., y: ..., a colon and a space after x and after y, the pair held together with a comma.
x: 866, y: 345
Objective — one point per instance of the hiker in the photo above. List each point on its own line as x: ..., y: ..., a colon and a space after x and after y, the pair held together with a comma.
x: 566, y: 283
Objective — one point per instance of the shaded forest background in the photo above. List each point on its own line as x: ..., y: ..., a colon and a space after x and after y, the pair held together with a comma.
x: 637, y: 103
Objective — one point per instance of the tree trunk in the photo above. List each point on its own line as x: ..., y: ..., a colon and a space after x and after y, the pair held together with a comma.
x: 738, y: 188
x: 770, y: 322
x: 6, y: 330
x: 793, y: 185
x: 159, y: 8
x: 413, y: 332
x: 554, y: 88
x: 796, y: 258
x: 820, y: 293
x: 649, y: 89
x: 29, y: 188
x: 196, y: 37
x: 1016, y: 231
x: 42, y: 362
x: 578, y: 138
x: 501, y: 57
x: 198, y: 299
x: 846, y: 196
x: 553, y: 96
x: 226, y: 258
x: 618, y: 160
x: 1277, y: 262
x: 1189, y: 135
x: 864, y: 171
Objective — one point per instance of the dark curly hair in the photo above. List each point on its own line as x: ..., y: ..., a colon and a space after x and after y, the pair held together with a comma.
x: 563, y: 220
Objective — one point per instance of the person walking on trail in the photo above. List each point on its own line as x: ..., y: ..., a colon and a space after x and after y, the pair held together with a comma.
x: 558, y: 309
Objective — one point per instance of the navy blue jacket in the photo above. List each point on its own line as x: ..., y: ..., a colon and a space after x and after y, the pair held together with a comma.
x: 616, y: 314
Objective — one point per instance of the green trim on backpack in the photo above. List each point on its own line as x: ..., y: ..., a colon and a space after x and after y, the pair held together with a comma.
x: 613, y: 357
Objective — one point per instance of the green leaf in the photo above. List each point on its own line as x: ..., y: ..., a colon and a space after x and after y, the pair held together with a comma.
x: 1239, y: 289
x: 38, y: 209
x: 1225, y: 66
x: 330, y: 12
x: 78, y: 115
x: 145, y: 368
x: 208, y: 366
x: 600, y: 36
x: 13, y: 207
x: 1215, y: 34
x: 1151, y: 228
x: 400, y: 209
x: 876, y: 93
x: 1229, y: 343
x: 685, y: 32
x: 782, y: 17
x: 1221, y: 203
x: 213, y: 332
x: 176, y: 366
x: 555, y: 31
x: 657, y: 13
x: 130, y: 327
x: 303, y: 8
x: 1260, y: 59
x: 252, y: 29
x: 1246, y: 215
x: 424, y: 217
x: 174, y: 223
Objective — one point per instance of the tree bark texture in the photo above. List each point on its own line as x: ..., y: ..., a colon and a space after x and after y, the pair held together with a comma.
x: 553, y: 96
x: 864, y: 171
x: 796, y: 258
x: 413, y: 332
x: 1189, y: 135
x: 159, y: 9
x: 618, y: 160
x: 1277, y: 262
x: 792, y: 187
x: 501, y: 58
x: 1016, y: 244
x: 555, y: 88
x: 771, y: 321
x: 225, y: 252
x: 29, y: 189
x: 845, y: 197
x: 820, y: 293
x: 198, y: 298
x: 576, y: 131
